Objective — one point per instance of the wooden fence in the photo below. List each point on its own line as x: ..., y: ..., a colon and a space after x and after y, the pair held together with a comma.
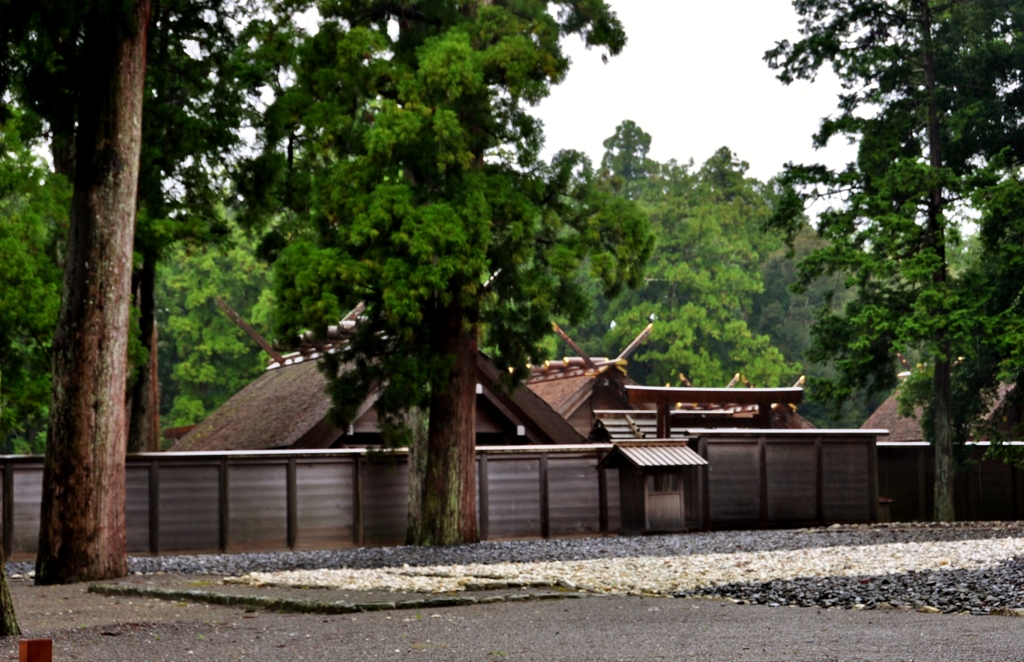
x: 984, y: 490
x: 777, y: 478
x: 276, y: 500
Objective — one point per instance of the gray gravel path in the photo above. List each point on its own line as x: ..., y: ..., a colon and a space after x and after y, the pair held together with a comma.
x: 596, y: 628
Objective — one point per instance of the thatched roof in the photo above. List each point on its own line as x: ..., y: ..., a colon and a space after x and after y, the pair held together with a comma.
x: 887, y: 417
x: 564, y: 394
x: 287, y: 406
x: 275, y: 411
x: 548, y: 426
x: 785, y: 417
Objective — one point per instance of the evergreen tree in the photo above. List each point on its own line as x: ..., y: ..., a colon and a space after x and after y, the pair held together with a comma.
x: 33, y: 225
x: 205, y: 358
x: 922, y: 101
x: 428, y: 202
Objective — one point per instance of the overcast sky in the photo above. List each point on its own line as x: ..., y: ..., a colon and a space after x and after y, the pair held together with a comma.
x: 693, y: 77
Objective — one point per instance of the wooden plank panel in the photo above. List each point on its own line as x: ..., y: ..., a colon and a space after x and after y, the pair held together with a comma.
x: 733, y: 480
x: 995, y: 495
x: 614, y: 501
x: 514, y: 497
x: 385, y: 501
x: 899, y: 479
x: 189, y: 507
x: 792, y: 478
x: 324, y: 497
x: 847, y: 480
x: 258, y: 505
x: 137, y: 508
x: 28, y: 495
x: 573, y: 496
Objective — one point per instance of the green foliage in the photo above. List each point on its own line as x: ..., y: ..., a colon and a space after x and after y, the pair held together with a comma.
x: 426, y: 196
x: 33, y: 224
x: 704, y: 273
x: 204, y: 357
x: 922, y: 101
x: 786, y: 316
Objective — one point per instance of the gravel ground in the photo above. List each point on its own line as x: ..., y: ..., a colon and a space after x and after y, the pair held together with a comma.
x: 973, y: 568
x: 88, y: 628
x: 567, y: 549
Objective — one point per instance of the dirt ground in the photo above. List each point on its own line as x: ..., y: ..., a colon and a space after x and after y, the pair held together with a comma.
x: 93, y: 627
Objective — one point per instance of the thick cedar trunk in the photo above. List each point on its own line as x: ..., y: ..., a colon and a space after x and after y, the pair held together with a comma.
x: 8, y: 620
x: 936, y: 239
x: 449, y: 492
x: 82, y: 528
x: 144, y: 425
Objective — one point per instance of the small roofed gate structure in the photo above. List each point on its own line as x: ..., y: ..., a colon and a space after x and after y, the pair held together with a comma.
x: 659, y: 485
x: 699, y: 403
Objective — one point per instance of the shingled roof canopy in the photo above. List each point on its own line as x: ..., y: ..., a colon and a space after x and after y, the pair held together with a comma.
x: 654, y: 453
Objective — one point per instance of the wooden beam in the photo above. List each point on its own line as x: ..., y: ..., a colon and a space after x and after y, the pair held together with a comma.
x: 485, y: 500
x: 249, y: 331
x: 35, y: 650
x: 8, y: 509
x: 291, y: 491
x: 739, y: 396
x: 357, y: 501
x: 154, y: 507
x: 545, y: 504
x: 571, y: 343
x: 223, y: 506
x: 602, y: 496
x: 631, y: 347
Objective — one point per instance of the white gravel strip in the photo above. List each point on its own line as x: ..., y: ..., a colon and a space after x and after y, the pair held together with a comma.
x: 664, y: 575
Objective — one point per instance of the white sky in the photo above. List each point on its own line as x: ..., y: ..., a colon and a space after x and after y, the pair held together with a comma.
x: 693, y: 77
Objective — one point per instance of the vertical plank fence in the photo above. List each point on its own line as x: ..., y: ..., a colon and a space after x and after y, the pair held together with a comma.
x: 278, y: 500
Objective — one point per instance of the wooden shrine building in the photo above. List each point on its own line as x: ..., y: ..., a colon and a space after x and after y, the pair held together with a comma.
x: 659, y: 485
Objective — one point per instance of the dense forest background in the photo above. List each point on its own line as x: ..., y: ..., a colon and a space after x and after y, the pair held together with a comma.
x: 718, y: 289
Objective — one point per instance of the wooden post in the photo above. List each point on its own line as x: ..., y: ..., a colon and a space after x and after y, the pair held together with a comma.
x: 357, y: 501
x: 545, y: 508
x: 602, y: 497
x: 819, y: 482
x: 485, y: 500
x: 224, y: 506
x: 873, y: 480
x: 1015, y: 491
x: 922, y: 487
x: 293, y: 504
x: 154, y: 507
x: 762, y: 482
x: 663, y: 430
x: 35, y: 650
x: 8, y: 509
x: 705, y: 485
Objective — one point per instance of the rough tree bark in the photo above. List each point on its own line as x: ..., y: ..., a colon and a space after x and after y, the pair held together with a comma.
x: 417, y: 474
x: 144, y: 422
x: 82, y: 528
x: 449, y: 492
x: 935, y: 238
x: 8, y: 619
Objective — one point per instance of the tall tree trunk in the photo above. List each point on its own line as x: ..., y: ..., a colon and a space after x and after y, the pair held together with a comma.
x: 936, y: 239
x: 449, y: 493
x: 144, y: 427
x: 8, y: 620
x: 82, y: 528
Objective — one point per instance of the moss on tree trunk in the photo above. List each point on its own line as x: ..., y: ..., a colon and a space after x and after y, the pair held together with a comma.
x: 82, y: 529
x: 449, y: 491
